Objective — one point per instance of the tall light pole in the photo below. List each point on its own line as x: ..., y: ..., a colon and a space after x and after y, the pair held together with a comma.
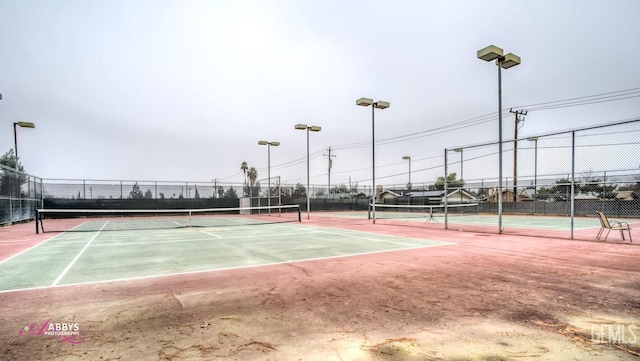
x: 313, y: 128
x: 406, y: 157
x: 365, y: 102
x: 491, y: 53
x: 461, y: 151
x: 535, y: 172
x: 15, y: 135
x: 268, y: 144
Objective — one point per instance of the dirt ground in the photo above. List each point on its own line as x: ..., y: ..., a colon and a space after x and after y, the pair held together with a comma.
x: 486, y: 297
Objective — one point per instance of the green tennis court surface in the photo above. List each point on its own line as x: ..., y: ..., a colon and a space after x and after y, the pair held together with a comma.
x: 84, y: 257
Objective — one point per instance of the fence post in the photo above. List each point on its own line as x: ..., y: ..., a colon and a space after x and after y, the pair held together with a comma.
x: 573, y: 178
x: 446, y: 199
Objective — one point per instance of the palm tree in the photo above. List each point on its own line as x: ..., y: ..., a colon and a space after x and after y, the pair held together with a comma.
x: 244, y: 167
x: 253, y: 175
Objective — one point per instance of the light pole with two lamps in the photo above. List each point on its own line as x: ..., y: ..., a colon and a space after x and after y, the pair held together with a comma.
x: 380, y: 104
x: 312, y: 128
x: 491, y: 53
x: 268, y: 144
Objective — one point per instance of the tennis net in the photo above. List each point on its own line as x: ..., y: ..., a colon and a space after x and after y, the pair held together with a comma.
x: 427, y: 213
x: 92, y: 220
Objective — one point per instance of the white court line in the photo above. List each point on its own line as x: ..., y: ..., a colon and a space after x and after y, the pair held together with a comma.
x: 211, y: 234
x: 36, y: 245
x: 211, y: 270
x: 78, y: 255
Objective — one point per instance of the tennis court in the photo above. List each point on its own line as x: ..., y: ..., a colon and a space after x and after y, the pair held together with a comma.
x: 466, y: 217
x: 107, y: 249
x: 272, y: 286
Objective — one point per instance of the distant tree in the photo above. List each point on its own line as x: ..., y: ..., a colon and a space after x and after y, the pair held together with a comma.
x: 148, y: 194
x: 230, y: 193
x: 220, y: 192
x: 562, y: 188
x: 196, y: 195
x: 340, y: 189
x: 253, y: 176
x: 161, y: 195
x: 452, y: 182
x: 300, y: 191
x: 354, y: 188
x: 136, y: 193
x: 244, y: 167
x: 10, y: 180
x: 79, y: 197
x: 595, y: 185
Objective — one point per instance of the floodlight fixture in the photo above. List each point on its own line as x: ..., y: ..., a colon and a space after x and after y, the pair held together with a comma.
x: 365, y: 102
x: 509, y: 61
x: 380, y: 104
x: 490, y: 53
x: 26, y: 124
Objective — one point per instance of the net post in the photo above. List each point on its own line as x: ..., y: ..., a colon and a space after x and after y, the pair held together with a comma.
x: 299, y: 215
x: 37, y: 218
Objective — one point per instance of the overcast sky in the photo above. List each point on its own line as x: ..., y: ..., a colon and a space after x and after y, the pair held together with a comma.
x: 183, y: 90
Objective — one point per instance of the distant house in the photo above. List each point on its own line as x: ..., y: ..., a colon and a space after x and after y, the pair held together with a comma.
x: 507, y: 195
x: 388, y: 195
x: 585, y: 197
x: 625, y: 195
x: 455, y: 196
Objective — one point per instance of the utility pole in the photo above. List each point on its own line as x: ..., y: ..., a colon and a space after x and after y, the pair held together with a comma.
x: 518, y: 119
x: 329, y: 172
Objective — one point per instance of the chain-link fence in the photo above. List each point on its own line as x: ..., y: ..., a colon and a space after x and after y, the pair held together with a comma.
x: 20, y: 195
x: 554, y: 183
x: 121, y: 189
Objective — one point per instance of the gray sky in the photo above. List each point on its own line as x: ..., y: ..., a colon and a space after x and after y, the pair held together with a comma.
x: 183, y: 90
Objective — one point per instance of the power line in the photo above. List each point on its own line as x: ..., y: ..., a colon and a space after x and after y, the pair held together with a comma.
x: 550, y: 105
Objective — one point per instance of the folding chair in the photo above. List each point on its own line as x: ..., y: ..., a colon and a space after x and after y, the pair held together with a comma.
x: 612, y: 225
